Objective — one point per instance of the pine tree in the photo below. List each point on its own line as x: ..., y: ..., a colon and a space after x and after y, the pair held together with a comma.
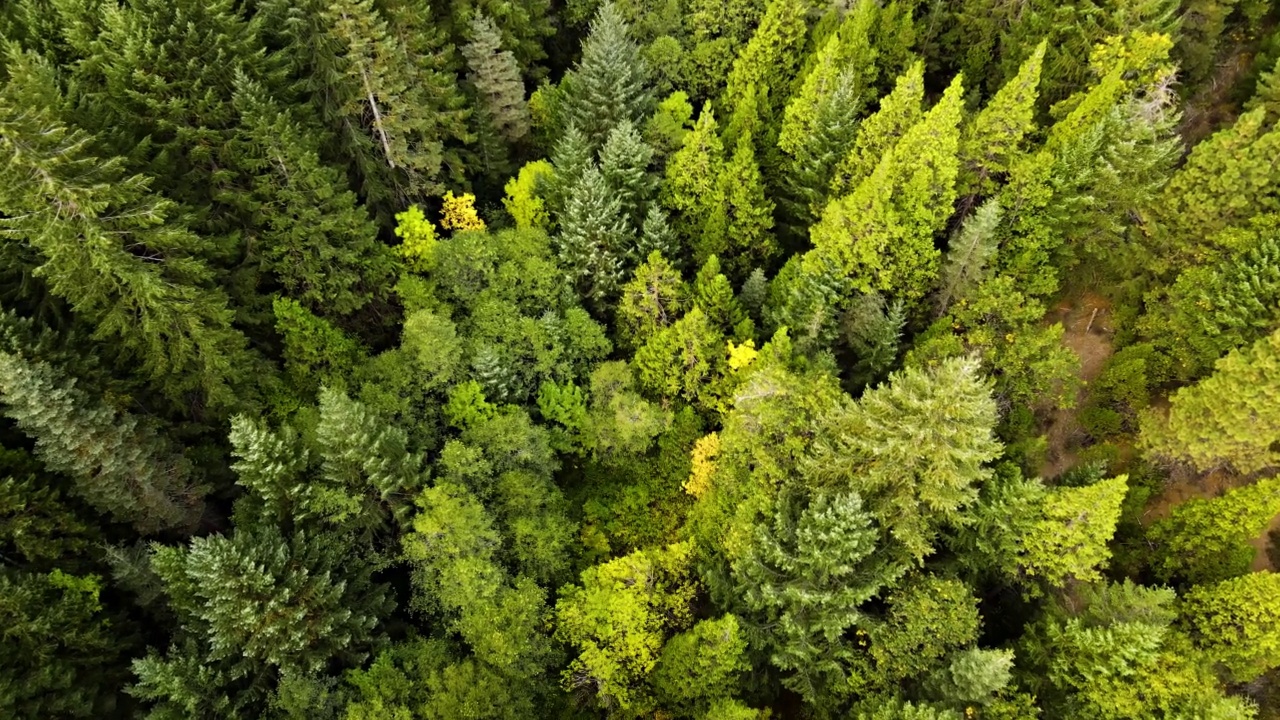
x: 594, y: 240
x: 651, y: 301
x: 968, y: 255
x: 321, y: 246
x: 1229, y: 418
x: 397, y: 104
x: 624, y: 163
x: 898, y: 112
x: 118, y: 464
x: 692, y: 191
x: 992, y: 138
x: 496, y: 76
x: 609, y: 84
x: 89, y: 223
x: 1237, y: 623
x: 1207, y: 540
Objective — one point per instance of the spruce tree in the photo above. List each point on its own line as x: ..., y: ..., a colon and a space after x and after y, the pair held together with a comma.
x: 624, y: 163
x: 118, y: 463
x: 656, y: 235
x: 1230, y: 418
x: 609, y: 85
x: 89, y: 222
x: 320, y: 245
x: 714, y: 295
x: 570, y: 158
x: 496, y: 77
x: 594, y: 239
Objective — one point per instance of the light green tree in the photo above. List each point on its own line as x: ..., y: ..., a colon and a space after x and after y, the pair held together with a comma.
x: 1237, y: 623
x: 1206, y: 540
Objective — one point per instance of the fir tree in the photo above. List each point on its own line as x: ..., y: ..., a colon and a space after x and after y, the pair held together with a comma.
x: 570, y: 158
x: 653, y: 300
x: 656, y: 236
x: 898, y: 112
x: 1207, y: 540
x: 769, y: 59
x: 1228, y: 418
x: 118, y: 464
x: 1071, y: 538
x: 748, y: 210
x: 321, y: 246
x: 110, y: 247
x: 609, y: 84
x: 624, y: 163
x: 594, y: 240
x: 873, y: 330
x: 496, y: 76
x: 970, y: 252
x: 713, y: 294
x: 693, y: 190
x: 992, y: 138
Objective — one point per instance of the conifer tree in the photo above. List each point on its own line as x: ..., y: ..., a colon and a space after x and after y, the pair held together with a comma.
x: 87, y: 221
x: 898, y: 112
x: 321, y: 246
x: 570, y: 158
x: 992, y: 138
x: 748, y: 211
x: 1207, y: 540
x: 1237, y: 623
x: 1071, y: 538
x: 972, y: 248
x: 1229, y: 418
x: 496, y: 76
x: 656, y: 235
x: 594, y: 240
x: 609, y: 84
x: 873, y: 329
x: 651, y: 301
x: 117, y: 463
x: 624, y: 163
x: 714, y: 295
x: 828, y: 137
x: 769, y: 60
x: 397, y: 107
x: 693, y: 190
x: 686, y: 360
x: 914, y: 468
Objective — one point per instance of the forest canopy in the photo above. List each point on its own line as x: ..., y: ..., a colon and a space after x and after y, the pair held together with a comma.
x: 667, y: 359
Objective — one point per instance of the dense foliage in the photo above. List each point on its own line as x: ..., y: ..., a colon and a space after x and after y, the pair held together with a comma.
x: 721, y: 360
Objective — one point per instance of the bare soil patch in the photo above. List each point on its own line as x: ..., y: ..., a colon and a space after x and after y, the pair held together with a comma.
x: 1087, y: 331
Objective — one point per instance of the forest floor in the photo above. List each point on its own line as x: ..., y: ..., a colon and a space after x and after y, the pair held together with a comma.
x: 1086, y: 321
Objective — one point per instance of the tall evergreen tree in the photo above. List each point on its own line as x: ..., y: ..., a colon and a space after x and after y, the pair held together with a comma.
x: 1206, y: 540
x: 769, y: 60
x: 747, y: 216
x: 970, y: 252
x: 496, y: 76
x: 118, y: 463
x: 110, y: 247
x: 609, y: 85
x: 594, y: 239
x: 898, y: 112
x: 624, y: 163
x: 992, y: 138
x: 692, y: 190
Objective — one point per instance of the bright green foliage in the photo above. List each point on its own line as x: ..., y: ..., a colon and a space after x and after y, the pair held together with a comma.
x: 81, y: 215
x: 617, y: 620
x: 315, y: 352
x: 653, y: 300
x: 1112, y: 654
x: 1229, y: 418
x: 770, y: 58
x: 118, y: 463
x: 748, y: 215
x: 1226, y: 180
x: 803, y: 579
x: 1070, y: 540
x: 1206, y: 540
x: 692, y: 190
x: 624, y: 164
x: 713, y: 294
x: 525, y: 201
x: 970, y: 251
x: 421, y: 680
x: 608, y: 85
x: 452, y: 550
x: 321, y: 247
x: 992, y: 139
x: 928, y: 617
x: 59, y: 647
x: 1237, y: 623
x: 878, y: 134
x: 701, y: 666
x: 260, y: 600
x: 594, y: 239
x: 881, y: 234
x: 897, y: 709
x: 914, y: 469
x: 670, y: 122
x: 496, y: 77
x: 417, y: 239
x: 685, y: 360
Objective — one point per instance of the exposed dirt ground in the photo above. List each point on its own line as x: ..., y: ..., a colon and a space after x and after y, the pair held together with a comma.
x: 1086, y: 320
